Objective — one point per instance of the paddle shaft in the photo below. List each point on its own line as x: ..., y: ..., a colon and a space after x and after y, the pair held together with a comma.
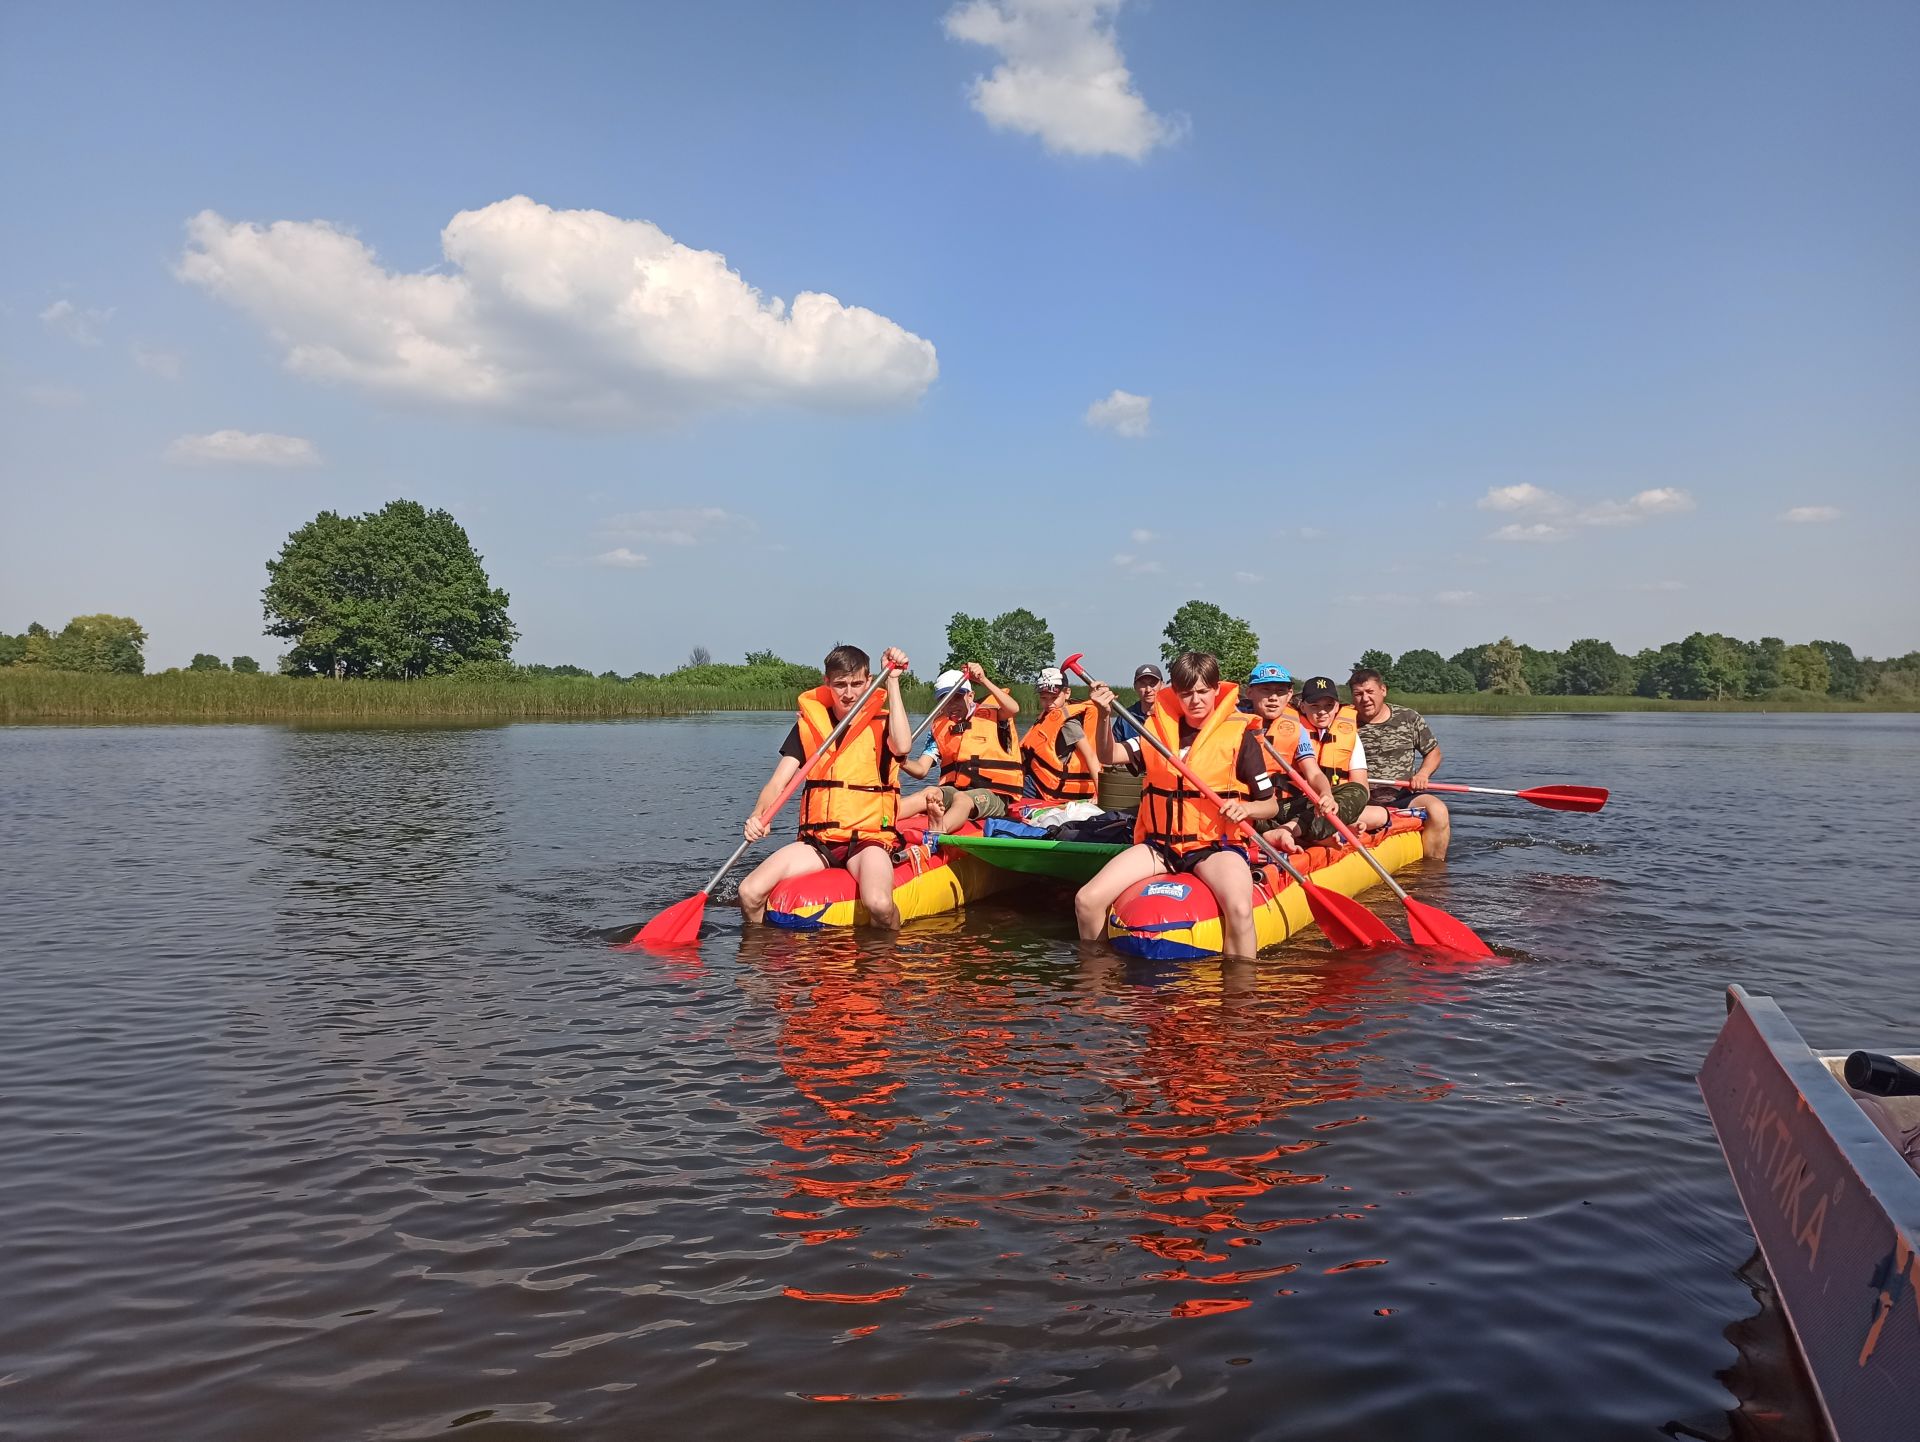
x: 799, y: 777
x: 1358, y: 845
x: 1207, y: 793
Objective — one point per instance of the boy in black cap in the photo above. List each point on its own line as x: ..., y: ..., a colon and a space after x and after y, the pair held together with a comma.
x: 1147, y: 681
x: 1335, y: 737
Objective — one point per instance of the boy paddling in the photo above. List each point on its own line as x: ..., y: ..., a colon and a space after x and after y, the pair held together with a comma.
x: 849, y: 803
x: 976, y: 748
x: 1176, y: 830
x: 1059, y: 755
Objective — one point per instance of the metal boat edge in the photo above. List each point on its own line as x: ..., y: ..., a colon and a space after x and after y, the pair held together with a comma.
x: 1836, y: 1211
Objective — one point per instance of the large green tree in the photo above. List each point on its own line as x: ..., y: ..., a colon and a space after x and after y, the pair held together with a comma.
x: 1429, y: 674
x: 969, y: 638
x: 101, y: 643
x: 1381, y: 661
x: 1019, y: 645
x: 396, y: 593
x: 1506, y: 669
x: 1807, y: 668
x: 1595, y: 668
x: 246, y: 665
x: 206, y: 661
x: 1203, y: 626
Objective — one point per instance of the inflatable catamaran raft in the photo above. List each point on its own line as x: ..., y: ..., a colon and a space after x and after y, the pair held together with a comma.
x: 1165, y: 918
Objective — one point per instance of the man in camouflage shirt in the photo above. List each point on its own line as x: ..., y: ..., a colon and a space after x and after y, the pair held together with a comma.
x: 1400, y: 747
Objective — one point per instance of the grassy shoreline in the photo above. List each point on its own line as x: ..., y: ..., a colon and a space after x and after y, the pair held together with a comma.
x: 30, y: 696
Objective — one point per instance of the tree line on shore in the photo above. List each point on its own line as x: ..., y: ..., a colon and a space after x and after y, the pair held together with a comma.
x: 400, y: 594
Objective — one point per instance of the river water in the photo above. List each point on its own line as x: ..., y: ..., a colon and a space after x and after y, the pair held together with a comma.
x: 328, y: 1112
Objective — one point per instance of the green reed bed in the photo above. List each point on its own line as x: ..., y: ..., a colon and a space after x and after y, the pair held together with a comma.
x: 33, y: 695
x: 1486, y: 703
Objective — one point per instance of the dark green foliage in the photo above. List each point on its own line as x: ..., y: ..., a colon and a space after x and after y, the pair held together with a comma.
x: 763, y: 658
x: 1594, y: 668
x: 969, y: 638
x: 1203, y: 626
x: 1426, y: 672
x: 1019, y: 646
x: 1847, y: 676
x: 1381, y: 661
x: 103, y: 644
x: 395, y: 594
x: 538, y: 670
x: 12, y: 649
x: 246, y: 665
x: 203, y: 661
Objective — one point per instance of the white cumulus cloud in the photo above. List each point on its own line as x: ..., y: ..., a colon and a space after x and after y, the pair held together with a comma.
x: 1141, y: 537
x: 1137, y: 565
x: 1061, y: 76
x: 1810, y: 515
x: 1661, y: 501
x: 1537, y: 531
x: 566, y: 317
x: 1523, y: 497
x: 1457, y: 598
x: 620, y: 559
x: 243, y: 448
x: 1123, y: 413
x: 82, y: 327
x: 684, y: 527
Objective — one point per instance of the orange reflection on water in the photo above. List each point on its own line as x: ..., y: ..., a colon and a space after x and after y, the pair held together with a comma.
x: 1171, y: 1116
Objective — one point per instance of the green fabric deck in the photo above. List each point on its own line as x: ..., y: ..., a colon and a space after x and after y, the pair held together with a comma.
x: 1074, y: 861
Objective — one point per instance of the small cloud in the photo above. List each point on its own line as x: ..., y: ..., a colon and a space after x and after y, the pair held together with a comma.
x: 1457, y: 598
x: 1061, y: 77
x: 1311, y: 533
x: 685, y: 527
x: 1523, y: 497
x: 1123, y: 413
x: 162, y: 363
x: 1141, y: 537
x: 620, y: 558
x: 1247, y: 578
x: 53, y: 398
x: 82, y: 327
x: 243, y: 448
x: 1661, y: 501
x: 1810, y: 515
x: 1539, y: 531
x: 1137, y: 565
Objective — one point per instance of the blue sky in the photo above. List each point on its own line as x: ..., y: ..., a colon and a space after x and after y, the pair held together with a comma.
x: 1430, y: 322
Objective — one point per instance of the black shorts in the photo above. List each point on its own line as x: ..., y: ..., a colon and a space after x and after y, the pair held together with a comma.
x: 1184, y: 865
x: 1391, y: 796
x: 839, y: 853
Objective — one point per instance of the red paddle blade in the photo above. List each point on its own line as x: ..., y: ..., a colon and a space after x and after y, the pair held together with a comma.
x: 1433, y: 927
x: 678, y: 925
x: 1344, y: 922
x: 1566, y: 798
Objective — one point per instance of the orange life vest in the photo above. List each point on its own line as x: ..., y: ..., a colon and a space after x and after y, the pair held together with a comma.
x: 1283, y: 735
x: 853, y: 793
x: 1334, y: 751
x: 977, y: 751
x: 1172, y: 812
x: 1057, y: 777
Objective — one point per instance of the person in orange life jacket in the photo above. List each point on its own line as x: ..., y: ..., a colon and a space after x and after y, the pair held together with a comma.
x: 1061, y: 762
x: 1401, y: 744
x: 1270, y: 689
x: 977, y: 749
x: 847, y: 805
x: 1176, y: 831
x: 1335, y: 737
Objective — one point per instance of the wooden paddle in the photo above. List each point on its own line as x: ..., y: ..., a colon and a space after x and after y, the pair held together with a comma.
x: 1344, y: 922
x: 679, y: 924
x: 1429, y: 924
x: 1554, y: 798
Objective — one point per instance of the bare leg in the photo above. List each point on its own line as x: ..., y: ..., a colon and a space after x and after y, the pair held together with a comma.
x: 1372, y: 818
x: 1437, y: 834
x: 1090, y: 903
x: 796, y: 858
x: 1231, y: 881
x: 872, y: 868
x: 927, y: 801
x: 956, y: 815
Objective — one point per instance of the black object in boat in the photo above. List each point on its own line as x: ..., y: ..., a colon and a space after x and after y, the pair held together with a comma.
x: 1868, y: 1071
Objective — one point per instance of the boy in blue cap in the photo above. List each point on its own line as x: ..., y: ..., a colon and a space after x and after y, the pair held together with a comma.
x: 1270, y: 693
